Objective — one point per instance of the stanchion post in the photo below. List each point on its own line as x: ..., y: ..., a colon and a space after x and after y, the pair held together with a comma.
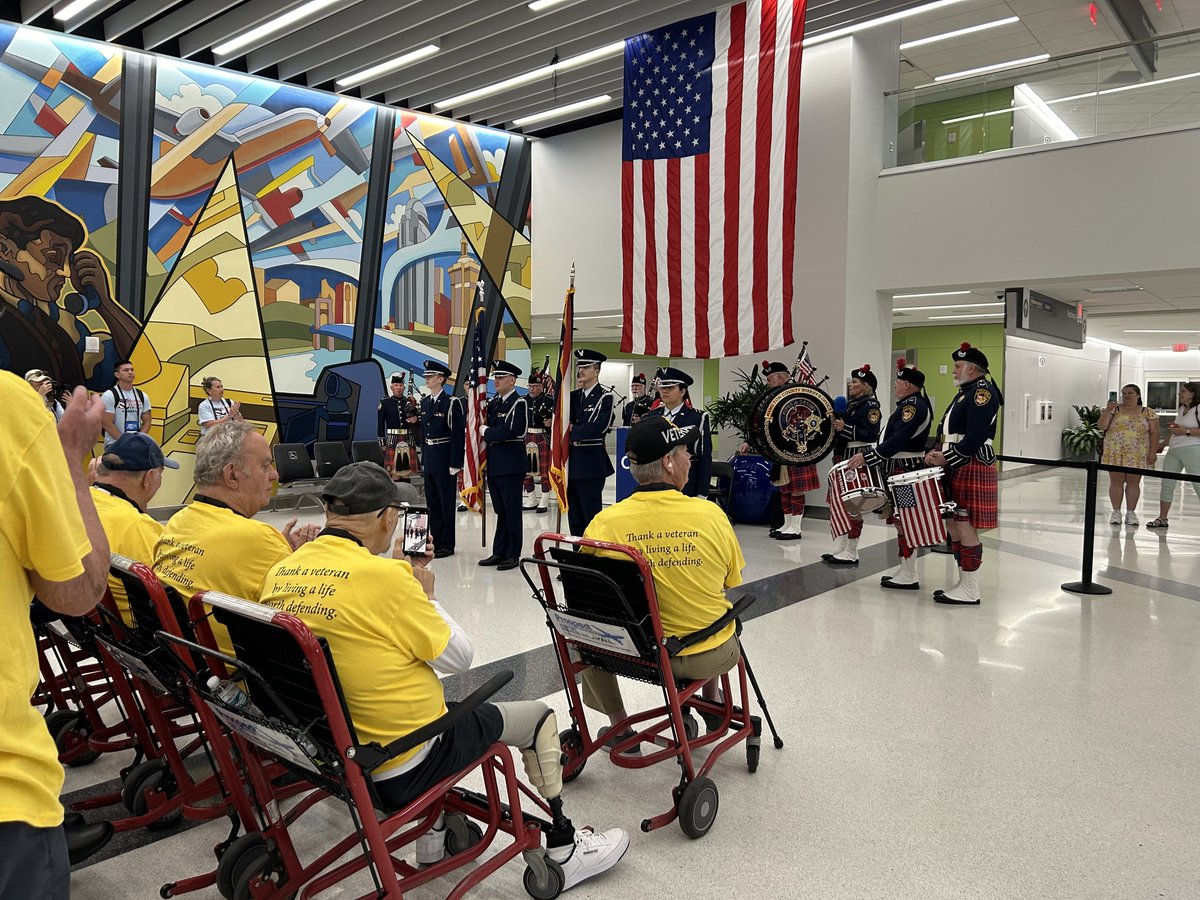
x: 1087, y: 586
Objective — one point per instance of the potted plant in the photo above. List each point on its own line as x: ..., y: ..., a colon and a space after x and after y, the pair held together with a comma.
x: 1083, y: 442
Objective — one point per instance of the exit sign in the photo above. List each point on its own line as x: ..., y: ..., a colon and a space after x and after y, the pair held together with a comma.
x: 1180, y: 348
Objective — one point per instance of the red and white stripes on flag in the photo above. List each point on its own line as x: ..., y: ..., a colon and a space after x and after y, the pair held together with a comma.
x: 708, y: 182
x: 560, y: 429
x: 918, y: 507
x: 475, y: 455
x: 839, y: 516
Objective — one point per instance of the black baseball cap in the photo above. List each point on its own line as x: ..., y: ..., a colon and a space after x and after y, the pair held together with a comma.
x: 135, y: 452
x: 360, y: 487
x: 654, y: 437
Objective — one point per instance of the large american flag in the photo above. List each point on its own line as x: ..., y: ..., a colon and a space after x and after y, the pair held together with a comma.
x: 918, y: 506
x: 476, y: 420
x: 708, y: 182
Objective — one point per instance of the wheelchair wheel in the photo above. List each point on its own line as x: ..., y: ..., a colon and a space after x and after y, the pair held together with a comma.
x: 461, y: 834
x: 245, y: 845
x: 70, y: 730
x: 151, y: 775
x: 553, y: 885
x: 256, y: 862
x: 698, y: 807
x: 752, y: 756
x: 573, y: 758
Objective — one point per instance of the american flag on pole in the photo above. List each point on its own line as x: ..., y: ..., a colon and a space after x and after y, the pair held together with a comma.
x: 918, y: 507
x: 476, y: 420
x: 560, y: 436
x: 804, y: 372
x: 708, y: 182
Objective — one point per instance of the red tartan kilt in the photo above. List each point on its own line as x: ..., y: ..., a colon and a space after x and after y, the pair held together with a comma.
x: 801, y: 479
x: 543, y: 444
x: 973, y: 487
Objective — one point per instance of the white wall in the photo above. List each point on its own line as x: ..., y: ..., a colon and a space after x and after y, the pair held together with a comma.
x: 1163, y: 365
x: 1066, y: 211
x: 1035, y: 373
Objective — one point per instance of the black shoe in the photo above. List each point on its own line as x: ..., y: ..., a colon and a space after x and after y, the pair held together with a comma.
x: 886, y: 581
x: 442, y: 553
x: 787, y: 537
x: 952, y: 601
x: 492, y: 560
x: 505, y: 564
x: 84, y: 840
x: 826, y: 556
x: 773, y: 534
x: 835, y: 561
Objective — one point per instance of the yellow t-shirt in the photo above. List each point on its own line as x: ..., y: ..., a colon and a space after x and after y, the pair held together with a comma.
x: 41, y: 530
x: 212, y: 548
x: 130, y: 533
x: 382, y: 629
x: 692, y: 550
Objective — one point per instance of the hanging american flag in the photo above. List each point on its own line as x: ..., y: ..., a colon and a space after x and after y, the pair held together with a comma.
x: 708, y: 182
x: 918, y: 507
x: 476, y: 450
x: 560, y: 436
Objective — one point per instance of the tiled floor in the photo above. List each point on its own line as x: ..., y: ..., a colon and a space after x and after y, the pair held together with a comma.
x: 1042, y: 745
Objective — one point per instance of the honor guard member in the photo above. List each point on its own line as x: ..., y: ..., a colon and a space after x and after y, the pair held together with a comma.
x: 793, y: 481
x: 391, y: 421
x: 591, y: 419
x: 444, y: 427
x: 639, y: 402
x: 854, y: 431
x: 507, y: 422
x: 537, y: 444
x: 672, y: 390
x: 965, y: 450
x: 901, y: 449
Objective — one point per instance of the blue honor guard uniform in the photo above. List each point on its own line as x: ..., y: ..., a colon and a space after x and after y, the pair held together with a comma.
x: 443, y: 426
x: 507, y: 423
x: 683, y: 415
x: 588, y: 465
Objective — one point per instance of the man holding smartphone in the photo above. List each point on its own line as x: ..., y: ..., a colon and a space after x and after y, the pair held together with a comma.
x: 390, y: 638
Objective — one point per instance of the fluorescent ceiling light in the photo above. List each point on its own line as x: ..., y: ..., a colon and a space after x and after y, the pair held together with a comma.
x: 1043, y: 114
x: 972, y: 316
x: 71, y: 10
x: 1127, y: 87
x: 934, y: 294
x: 605, y: 316
x: 994, y: 112
x: 882, y: 20
x: 570, y: 62
x: 562, y: 111
x: 994, y: 67
x: 1159, y: 331
x: 947, y: 306
x: 539, y: 5
x: 945, y: 36
x: 390, y: 66
x: 278, y: 23
x: 1116, y: 289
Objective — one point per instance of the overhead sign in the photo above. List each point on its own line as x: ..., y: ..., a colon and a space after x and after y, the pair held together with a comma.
x: 1037, y: 317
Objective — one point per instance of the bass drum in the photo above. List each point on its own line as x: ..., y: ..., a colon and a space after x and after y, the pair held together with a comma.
x: 793, y: 424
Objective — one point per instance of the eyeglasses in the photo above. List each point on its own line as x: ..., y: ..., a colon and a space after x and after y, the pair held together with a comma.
x: 379, y: 515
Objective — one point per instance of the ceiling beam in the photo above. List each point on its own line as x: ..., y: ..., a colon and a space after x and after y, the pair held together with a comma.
x: 131, y: 15
x: 31, y: 9
x: 245, y: 16
x: 505, y: 109
x: 190, y: 15
x: 1130, y: 23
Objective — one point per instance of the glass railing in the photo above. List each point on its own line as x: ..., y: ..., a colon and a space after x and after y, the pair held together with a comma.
x: 1118, y: 90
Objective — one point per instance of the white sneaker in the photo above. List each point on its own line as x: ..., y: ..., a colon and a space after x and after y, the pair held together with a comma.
x: 593, y: 853
x: 1131, y: 518
x: 430, y: 847
x: 1115, y: 518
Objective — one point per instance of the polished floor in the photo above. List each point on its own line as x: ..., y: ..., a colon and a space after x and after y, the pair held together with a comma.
x: 1041, y: 745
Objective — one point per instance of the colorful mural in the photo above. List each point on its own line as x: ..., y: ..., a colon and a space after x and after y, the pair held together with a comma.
x: 254, y: 231
x: 60, y: 105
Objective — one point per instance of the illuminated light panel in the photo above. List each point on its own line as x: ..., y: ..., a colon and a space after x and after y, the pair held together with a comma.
x: 949, y: 35
x: 882, y: 20
x: 1044, y: 115
x: 994, y: 67
x: 933, y: 294
x: 948, y: 306
x: 390, y: 66
x: 971, y: 316
x: 499, y: 87
x: 562, y: 111
x: 71, y: 10
x: 278, y: 23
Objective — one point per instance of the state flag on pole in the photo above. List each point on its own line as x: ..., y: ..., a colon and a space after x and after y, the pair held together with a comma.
x: 708, y: 182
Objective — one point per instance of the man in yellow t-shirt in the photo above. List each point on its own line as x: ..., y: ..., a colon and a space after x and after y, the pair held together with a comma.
x: 390, y: 638
x: 214, y: 543
x: 692, y: 551
x: 51, y: 543
x: 127, y: 478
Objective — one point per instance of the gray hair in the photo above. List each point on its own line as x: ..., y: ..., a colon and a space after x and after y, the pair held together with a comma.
x: 651, y: 472
x: 221, y: 446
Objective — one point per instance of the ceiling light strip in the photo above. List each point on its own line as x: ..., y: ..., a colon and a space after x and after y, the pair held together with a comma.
x: 994, y: 67
x: 947, y: 306
x: 949, y: 35
x: 570, y: 62
x: 539, y: 5
x: 278, y: 23
x: 71, y: 10
x: 390, y: 66
x: 882, y: 20
x: 562, y: 111
x: 933, y: 294
x: 972, y: 316
x: 1043, y: 114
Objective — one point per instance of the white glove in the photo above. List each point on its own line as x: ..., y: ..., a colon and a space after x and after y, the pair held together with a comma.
x: 455, y: 471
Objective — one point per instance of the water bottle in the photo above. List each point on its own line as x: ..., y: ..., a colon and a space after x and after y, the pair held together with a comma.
x: 231, y: 695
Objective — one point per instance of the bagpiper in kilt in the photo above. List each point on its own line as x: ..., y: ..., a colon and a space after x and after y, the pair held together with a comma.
x: 793, y: 481
x: 537, y: 445
x: 965, y: 450
x: 854, y: 431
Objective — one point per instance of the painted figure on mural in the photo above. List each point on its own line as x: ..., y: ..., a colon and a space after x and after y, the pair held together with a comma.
x: 54, y: 295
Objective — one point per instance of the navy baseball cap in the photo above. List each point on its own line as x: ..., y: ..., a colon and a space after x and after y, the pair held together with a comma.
x: 360, y: 487
x: 135, y: 452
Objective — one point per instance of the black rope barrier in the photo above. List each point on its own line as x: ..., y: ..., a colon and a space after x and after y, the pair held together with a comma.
x: 1087, y: 585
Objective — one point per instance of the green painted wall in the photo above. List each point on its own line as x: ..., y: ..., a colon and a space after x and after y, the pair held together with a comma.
x: 966, y: 138
x: 935, y: 343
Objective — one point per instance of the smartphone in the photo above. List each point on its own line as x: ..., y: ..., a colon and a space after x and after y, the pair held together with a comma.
x: 1112, y: 395
x: 416, y: 530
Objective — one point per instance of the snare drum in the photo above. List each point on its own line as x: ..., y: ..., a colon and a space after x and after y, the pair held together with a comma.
x: 919, y: 505
x: 861, y: 488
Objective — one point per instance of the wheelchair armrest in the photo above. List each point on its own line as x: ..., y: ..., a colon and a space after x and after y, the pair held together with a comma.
x: 371, y: 756
x: 676, y: 645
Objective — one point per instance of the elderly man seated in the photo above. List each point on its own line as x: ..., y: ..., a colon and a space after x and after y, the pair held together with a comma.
x: 390, y: 638
x: 128, y: 476
x: 692, y: 551
x: 214, y: 543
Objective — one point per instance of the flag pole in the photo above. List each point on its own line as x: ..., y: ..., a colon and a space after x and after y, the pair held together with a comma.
x: 561, y: 435
x: 483, y: 467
